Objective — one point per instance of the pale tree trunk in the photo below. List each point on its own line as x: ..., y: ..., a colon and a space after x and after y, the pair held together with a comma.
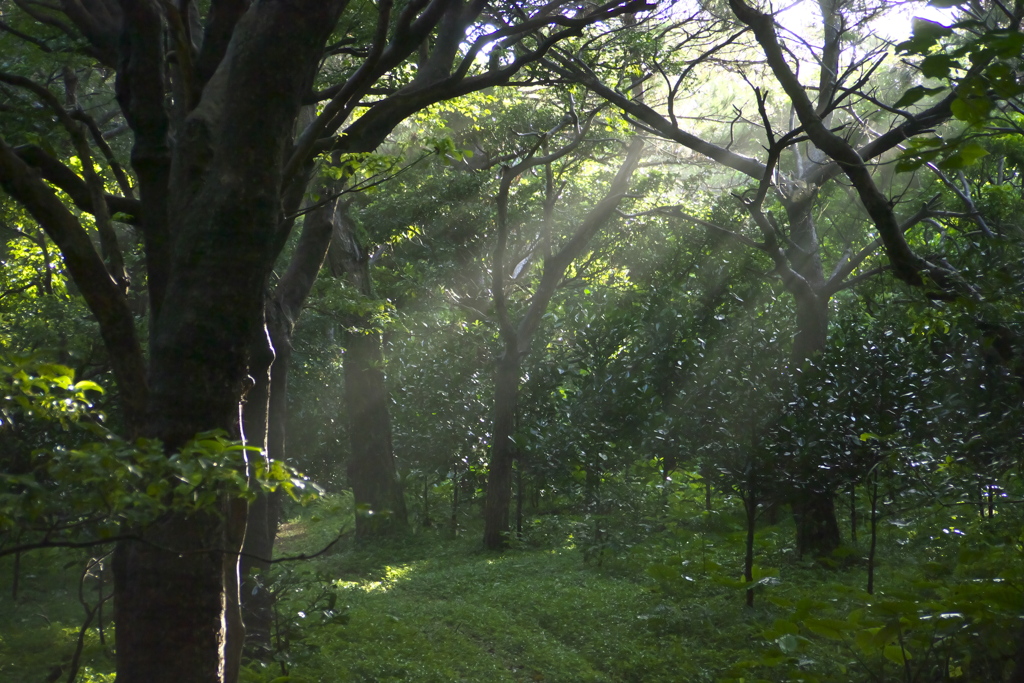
x: 517, y: 337
x: 812, y: 501
x: 372, y: 469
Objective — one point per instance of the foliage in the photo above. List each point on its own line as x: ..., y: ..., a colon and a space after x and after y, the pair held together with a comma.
x: 84, y: 494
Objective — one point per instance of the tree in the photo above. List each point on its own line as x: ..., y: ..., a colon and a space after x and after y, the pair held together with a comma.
x: 212, y: 103
x: 516, y: 336
x: 372, y: 473
x: 795, y: 170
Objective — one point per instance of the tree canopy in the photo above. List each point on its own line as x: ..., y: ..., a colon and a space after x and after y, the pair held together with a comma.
x: 615, y: 272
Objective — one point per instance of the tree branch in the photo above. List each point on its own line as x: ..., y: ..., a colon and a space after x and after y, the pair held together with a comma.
x: 102, y: 295
x: 907, y: 266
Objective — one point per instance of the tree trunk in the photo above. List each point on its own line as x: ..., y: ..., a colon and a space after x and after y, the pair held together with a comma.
x: 376, y: 487
x: 170, y: 602
x: 503, y: 453
x: 817, y: 530
x: 813, y: 503
x: 811, y: 325
x: 454, y: 519
x: 224, y: 209
x: 853, y: 513
x: 261, y: 528
x: 873, y: 530
x: 519, y: 497
x: 372, y: 470
x: 281, y: 312
x: 750, y: 507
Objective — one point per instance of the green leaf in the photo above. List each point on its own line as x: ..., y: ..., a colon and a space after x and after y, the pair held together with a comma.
x: 926, y: 33
x: 866, y: 640
x: 965, y: 155
x: 938, y: 66
x: 895, y: 654
x: 914, y: 94
x: 826, y: 628
x: 973, y: 110
x: 87, y: 385
x: 1008, y: 45
x: 785, y: 627
x: 788, y: 643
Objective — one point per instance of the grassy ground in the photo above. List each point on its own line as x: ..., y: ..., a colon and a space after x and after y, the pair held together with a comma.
x: 655, y: 606
x: 40, y: 624
x: 438, y: 609
x: 434, y: 608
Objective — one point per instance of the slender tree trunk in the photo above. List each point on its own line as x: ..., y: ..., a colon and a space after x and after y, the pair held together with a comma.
x: 261, y: 529
x: 456, y: 485
x: 750, y: 507
x: 516, y: 337
x: 266, y: 416
x: 426, y: 503
x: 853, y: 513
x: 873, y: 528
x: 519, y: 497
x: 499, y: 478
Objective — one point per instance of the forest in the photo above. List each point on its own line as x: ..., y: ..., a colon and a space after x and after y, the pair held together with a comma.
x: 511, y: 341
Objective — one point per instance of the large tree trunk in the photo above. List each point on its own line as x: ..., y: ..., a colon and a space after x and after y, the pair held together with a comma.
x: 503, y: 452
x: 224, y: 211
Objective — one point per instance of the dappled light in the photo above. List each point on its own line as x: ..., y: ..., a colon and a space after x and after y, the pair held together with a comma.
x: 508, y: 342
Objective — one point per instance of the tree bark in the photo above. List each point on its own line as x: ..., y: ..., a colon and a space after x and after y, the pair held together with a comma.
x: 503, y: 452
x: 817, y: 531
x: 270, y: 416
x: 517, y: 338
x: 372, y: 469
x: 224, y: 214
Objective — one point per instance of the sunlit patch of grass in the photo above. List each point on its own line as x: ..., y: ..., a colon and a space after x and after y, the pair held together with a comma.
x: 453, y: 613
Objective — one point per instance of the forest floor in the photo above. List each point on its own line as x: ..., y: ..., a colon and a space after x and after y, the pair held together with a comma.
x: 557, y: 608
x: 439, y: 609
x: 665, y: 606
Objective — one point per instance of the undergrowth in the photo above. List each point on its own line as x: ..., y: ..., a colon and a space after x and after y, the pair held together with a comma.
x: 584, y: 599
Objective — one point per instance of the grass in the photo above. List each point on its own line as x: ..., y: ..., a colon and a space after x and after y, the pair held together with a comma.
x: 434, y: 608
x: 655, y: 606
x: 463, y: 615
x: 39, y: 626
